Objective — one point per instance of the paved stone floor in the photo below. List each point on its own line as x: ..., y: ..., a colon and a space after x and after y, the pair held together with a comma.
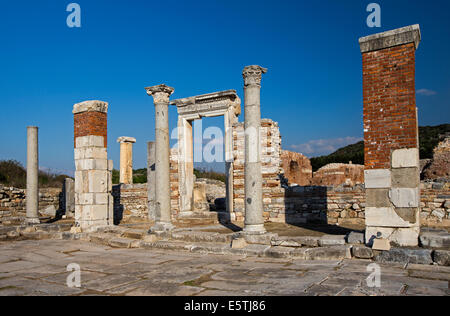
x: 40, y: 268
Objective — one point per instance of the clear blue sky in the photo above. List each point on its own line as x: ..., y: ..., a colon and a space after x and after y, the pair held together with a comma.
x: 313, y: 87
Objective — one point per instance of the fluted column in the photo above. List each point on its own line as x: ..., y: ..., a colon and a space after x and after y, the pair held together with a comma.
x: 254, y: 221
x: 161, y: 94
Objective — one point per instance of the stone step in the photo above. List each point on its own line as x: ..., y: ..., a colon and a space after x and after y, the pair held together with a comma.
x: 194, y: 221
x: 101, y: 238
x: 135, y: 233
x: 403, y: 255
x: 435, y: 239
x: 199, y: 236
x: 120, y: 242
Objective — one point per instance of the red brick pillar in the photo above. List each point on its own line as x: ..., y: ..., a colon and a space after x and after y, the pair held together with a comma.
x: 391, y: 135
x: 93, y: 185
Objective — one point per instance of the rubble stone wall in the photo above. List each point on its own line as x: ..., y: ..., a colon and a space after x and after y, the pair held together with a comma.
x: 339, y: 173
x: 273, y: 193
x: 13, y: 203
x: 297, y: 168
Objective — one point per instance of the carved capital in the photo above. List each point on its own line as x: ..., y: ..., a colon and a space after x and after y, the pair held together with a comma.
x: 160, y: 93
x: 253, y: 74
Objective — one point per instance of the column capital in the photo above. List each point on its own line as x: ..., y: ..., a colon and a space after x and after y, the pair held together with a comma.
x: 90, y: 106
x: 160, y: 93
x: 125, y: 139
x: 253, y: 75
x: 401, y: 36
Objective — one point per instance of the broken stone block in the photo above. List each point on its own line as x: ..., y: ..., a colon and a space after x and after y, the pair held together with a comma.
x: 329, y: 253
x: 332, y: 240
x: 238, y: 243
x: 150, y: 238
x: 75, y: 230
x: 442, y: 257
x: 263, y: 239
x: 279, y: 252
x: 49, y: 211
x: 402, y: 255
x: 381, y: 244
x: 355, y: 238
x: 436, y: 239
x: 404, y: 197
x: 362, y: 252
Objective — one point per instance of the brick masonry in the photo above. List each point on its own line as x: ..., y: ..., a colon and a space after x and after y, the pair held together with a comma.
x: 390, y: 116
x: 93, y: 179
x: 391, y: 136
x: 90, y: 123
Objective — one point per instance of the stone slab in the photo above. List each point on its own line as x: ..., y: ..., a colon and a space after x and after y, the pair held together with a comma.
x: 377, y: 178
x: 402, y: 255
x: 404, y: 197
x: 400, y: 36
x: 384, y: 217
x: 405, y: 158
x: 435, y: 239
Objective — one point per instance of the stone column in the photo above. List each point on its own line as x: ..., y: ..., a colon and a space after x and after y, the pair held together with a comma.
x: 254, y: 221
x: 32, y: 176
x: 93, y: 199
x: 161, y: 96
x: 391, y: 136
x: 69, y: 192
x: 186, y: 165
x: 126, y: 159
x: 151, y: 179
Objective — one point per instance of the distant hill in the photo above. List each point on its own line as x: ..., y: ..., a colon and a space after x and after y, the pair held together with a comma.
x: 429, y: 137
x: 13, y: 174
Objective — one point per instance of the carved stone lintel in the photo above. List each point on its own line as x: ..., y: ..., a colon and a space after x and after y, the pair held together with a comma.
x: 253, y: 74
x: 160, y: 93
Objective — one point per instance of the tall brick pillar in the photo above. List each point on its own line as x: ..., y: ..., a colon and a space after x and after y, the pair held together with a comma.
x: 391, y: 136
x: 93, y: 183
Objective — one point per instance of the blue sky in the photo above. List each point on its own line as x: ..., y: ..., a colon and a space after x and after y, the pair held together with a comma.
x: 313, y: 87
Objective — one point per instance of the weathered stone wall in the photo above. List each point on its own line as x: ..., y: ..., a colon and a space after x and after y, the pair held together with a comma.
x: 174, y: 185
x: 130, y: 201
x: 346, y: 205
x: 302, y: 204
x: 297, y: 168
x: 13, y: 203
x: 439, y: 166
x: 337, y: 174
x: 273, y: 193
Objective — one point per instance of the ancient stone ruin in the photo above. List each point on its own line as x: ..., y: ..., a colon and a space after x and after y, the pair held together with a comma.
x: 263, y: 182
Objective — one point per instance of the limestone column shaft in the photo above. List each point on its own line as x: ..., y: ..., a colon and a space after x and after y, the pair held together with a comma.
x: 126, y: 159
x: 254, y: 221
x: 32, y: 176
x: 161, y: 96
x: 151, y: 179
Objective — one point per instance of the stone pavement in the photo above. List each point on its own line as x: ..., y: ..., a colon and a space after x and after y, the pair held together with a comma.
x: 40, y: 268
